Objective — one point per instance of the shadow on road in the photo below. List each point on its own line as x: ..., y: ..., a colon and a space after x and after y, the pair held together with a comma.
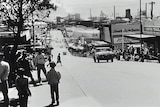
x: 51, y: 105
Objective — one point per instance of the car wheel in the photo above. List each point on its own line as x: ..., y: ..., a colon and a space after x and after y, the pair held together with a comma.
x: 112, y: 60
x: 98, y: 60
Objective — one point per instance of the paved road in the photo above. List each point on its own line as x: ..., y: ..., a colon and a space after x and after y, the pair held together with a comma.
x: 88, y: 84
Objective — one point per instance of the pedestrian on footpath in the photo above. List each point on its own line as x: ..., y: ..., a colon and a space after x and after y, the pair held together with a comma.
x: 40, y: 64
x: 93, y: 51
x: 23, y: 88
x: 23, y: 62
x: 53, y: 78
x: 59, y: 59
x: 50, y: 57
x: 4, y: 72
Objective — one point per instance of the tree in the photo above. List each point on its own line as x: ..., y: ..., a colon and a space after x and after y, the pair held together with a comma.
x: 16, y: 12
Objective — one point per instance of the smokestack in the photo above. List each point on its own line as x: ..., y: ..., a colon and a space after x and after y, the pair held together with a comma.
x: 128, y: 14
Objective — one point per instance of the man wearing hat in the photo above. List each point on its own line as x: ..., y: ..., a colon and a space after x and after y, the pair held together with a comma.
x: 22, y: 87
x: 4, y: 72
x: 40, y: 63
x: 53, y: 78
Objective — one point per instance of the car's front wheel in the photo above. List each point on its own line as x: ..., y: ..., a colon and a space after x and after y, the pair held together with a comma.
x: 98, y: 60
x: 112, y: 60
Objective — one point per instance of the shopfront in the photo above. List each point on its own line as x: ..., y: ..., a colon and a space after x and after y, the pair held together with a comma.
x: 153, y: 42
x: 118, y: 32
x: 8, y: 37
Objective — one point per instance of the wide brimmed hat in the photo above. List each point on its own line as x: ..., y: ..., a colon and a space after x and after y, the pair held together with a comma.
x: 52, y: 64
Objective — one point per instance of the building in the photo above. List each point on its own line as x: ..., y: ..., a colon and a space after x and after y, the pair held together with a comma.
x: 152, y: 27
x: 105, y: 33
x: 58, y: 19
x: 128, y: 14
x: 119, y: 32
x: 8, y: 37
x: 74, y: 16
x: 40, y: 32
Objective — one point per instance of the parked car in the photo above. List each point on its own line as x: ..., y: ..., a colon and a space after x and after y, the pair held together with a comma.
x: 103, y: 53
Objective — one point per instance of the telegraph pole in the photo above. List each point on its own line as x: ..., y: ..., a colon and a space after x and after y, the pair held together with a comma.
x: 140, y: 27
x: 152, y: 3
x: 33, y: 34
x: 122, y: 40
x: 146, y: 10
x: 114, y: 12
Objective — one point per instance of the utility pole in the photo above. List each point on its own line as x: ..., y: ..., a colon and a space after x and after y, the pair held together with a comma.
x: 33, y: 33
x: 152, y: 3
x: 122, y: 40
x: 140, y: 27
x: 114, y: 12
x: 0, y: 7
x: 146, y: 10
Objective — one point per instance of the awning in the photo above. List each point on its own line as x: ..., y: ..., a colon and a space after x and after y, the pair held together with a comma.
x: 7, y: 34
x: 140, y: 36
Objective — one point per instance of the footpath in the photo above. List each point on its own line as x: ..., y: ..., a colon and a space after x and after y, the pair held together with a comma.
x: 41, y: 93
x: 13, y: 93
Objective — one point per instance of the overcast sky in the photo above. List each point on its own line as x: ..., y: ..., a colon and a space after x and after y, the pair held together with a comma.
x: 83, y: 7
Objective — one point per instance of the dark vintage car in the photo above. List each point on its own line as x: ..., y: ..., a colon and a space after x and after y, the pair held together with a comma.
x: 103, y: 53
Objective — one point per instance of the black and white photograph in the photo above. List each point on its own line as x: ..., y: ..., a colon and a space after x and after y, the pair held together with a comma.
x: 79, y: 53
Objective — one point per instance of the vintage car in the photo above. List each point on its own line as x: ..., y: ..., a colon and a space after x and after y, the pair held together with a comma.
x: 103, y: 53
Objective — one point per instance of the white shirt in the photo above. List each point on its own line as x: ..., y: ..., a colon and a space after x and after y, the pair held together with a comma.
x: 40, y: 59
x: 4, y: 70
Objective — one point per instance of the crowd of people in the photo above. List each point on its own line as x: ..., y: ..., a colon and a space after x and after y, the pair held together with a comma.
x: 137, y: 54
x: 17, y: 66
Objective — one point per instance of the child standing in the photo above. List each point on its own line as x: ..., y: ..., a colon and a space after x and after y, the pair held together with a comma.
x: 23, y: 88
x: 53, y: 78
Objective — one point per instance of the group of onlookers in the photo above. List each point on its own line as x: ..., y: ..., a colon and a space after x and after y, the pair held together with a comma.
x: 135, y: 54
x: 14, y: 66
